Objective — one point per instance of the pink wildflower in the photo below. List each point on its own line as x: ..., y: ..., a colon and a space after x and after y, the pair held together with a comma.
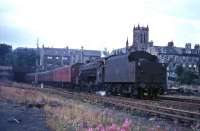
x: 102, y: 129
x: 99, y: 127
x: 113, y: 127
x: 90, y: 129
x: 126, y: 125
x: 122, y: 129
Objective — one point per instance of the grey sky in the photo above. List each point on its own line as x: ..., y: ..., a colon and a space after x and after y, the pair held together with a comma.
x: 97, y: 24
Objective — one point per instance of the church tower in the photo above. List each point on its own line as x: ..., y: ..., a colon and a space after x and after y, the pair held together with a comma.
x: 140, y: 37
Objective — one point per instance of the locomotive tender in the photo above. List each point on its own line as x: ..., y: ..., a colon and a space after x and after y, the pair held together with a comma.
x: 134, y: 74
x: 137, y: 73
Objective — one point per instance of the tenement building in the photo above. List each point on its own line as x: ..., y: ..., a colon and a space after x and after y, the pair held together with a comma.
x: 177, y: 56
x: 51, y: 58
x: 169, y: 54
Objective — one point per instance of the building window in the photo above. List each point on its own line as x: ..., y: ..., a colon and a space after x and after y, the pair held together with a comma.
x: 57, y: 58
x: 65, y: 58
x: 49, y: 57
x: 167, y: 68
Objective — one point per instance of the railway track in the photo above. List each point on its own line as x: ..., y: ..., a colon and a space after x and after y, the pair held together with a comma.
x: 176, y: 104
x: 181, y: 115
x: 185, y: 116
x: 181, y: 105
x: 181, y: 99
x: 149, y: 107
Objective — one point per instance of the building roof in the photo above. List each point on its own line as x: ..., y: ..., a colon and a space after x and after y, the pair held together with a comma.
x: 67, y: 52
x: 91, y: 53
x: 55, y: 51
x: 173, y: 50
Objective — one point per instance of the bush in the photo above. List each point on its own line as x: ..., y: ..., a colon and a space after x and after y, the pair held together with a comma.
x: 186, y: 76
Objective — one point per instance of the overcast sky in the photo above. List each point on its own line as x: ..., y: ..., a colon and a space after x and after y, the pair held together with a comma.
x: 97, y: 24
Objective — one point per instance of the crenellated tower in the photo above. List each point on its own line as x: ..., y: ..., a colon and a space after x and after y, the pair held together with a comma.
x: 140, y: 37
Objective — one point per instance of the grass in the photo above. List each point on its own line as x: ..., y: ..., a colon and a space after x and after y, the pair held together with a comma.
x: 64, y: 114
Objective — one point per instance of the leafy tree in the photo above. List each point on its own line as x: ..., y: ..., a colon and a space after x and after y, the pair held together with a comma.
x: 24, y: 60
x: 179, y: 70
x: 5, y: 55
x: 186, y: 76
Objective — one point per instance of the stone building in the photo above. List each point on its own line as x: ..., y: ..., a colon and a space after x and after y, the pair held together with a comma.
x: 170, y: 54
x: 177, y: 56
x: 140, y: 38
x: 55, y: 57
x: 140, y: 41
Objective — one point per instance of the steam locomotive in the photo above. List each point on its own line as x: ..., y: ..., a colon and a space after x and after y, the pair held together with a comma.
x: 134, y: 74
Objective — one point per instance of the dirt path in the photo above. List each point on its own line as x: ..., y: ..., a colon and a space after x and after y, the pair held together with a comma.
x: 15, y: 117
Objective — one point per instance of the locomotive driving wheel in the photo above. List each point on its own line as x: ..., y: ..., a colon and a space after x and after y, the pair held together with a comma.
x: 154, y: 93
x: 140, y: 93
x: 134, y: 92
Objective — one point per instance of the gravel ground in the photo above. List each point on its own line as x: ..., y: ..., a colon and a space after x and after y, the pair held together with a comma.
x: 15, y: 117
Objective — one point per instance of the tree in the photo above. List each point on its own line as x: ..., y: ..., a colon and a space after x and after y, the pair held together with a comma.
x: 186, y: 76
x: 24, y: 61
x: 179, y: 70
x: 5, y: 55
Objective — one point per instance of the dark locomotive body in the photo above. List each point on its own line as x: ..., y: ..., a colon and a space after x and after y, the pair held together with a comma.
x: 138, y: 73
x: 135, y: 74
x: 88, y: 76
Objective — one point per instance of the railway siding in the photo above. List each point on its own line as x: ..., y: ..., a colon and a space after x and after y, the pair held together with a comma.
x: 181, y: 115
x: 161, y: 111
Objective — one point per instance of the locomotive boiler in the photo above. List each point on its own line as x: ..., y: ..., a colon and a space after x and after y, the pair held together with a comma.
x: 90, y: 78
